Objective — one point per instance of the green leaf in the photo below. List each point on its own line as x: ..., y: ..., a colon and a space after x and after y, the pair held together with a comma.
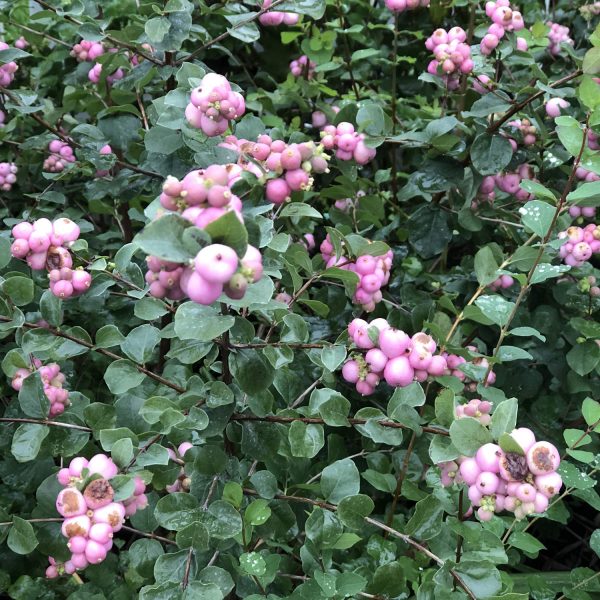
x: 525, y: 541
x: 352, y: 510
x: 21, y: 536
x: 230, y: 231
x: 257, y: 512
x: 340, y: 479
x: 490, y: 153
x: 482, y: 578
x: 426, y: 522
x: 508, y: 443
x: 252, y: 563
x: 194, y: 536
x: 370, y: 119
x: 201, y: 323
x: 140, y: 343
x: 591, y: 62
x: 389, y: 580
x: 508, y: 353
x: 586, y: 194
x: 156, y: 29
x: 224, y: 521
x: 32, y: 398
x: 122, y: 375
x: 570, y: 134
x: 164, y: 238
x: 109, y: 336
x: 299, y: 209
x: 176, y: 511
x: 486, y: 266
x: 590, y: 410
x: 19, y: 289
x: 504, y: 417
x: 537, y: 216
x: 584, y: 358
x: 412, y: 395
x: 595, y: 541
x: 27, y: 441
x: 495, y: 308
x: 546, y: 271
x: 305, y: 439
x: 468, y: 435
x: 251, y: 370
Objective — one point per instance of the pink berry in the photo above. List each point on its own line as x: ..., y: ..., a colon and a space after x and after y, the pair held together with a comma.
x: 94, y: 552
x: 216, y: 263
x: 98, y: 493
x: 488, y: 457
x: 487, y: 483
x: 102, y: 465
x: 549, y: 485
x: 70, y: 503
x: 469, y: 470
x: 543, y: 458
x: 398, y: 372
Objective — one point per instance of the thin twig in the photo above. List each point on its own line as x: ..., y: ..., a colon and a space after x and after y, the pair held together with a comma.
x: 44, y: 422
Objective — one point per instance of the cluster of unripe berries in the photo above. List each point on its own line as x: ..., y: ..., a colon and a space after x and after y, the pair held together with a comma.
x: 44, y: 245
x: 60, y: 155
x: 510, y: 183
x: 87, y: 51
x: 477, y: 409
x: 52, y: 380
x: 581, y: 243
x: 585, y: 212
x: 213, y: 105
x: 504, y: 19
x: 273, y: 18
x: 588, y: 285
x: 519, y: 482
x: 452, y: 55
x: 91, y: 515
x: 585, y: 175
x: 558, y: 34
x: 373, y: 273
x: 216, y: 269
x: 502, y: 283
x: 399, y: 6
x: 289, y: 167
x: 303, y: 67
x: 8, y: 175
x: 95, y: 73
x: 7, y: 70
x: 347, y: 143
x: 554, y: 106
x: 527, y: 131
x: 182, y: 483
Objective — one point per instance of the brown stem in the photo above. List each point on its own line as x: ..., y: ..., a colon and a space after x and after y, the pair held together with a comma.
x: 44, y: 422
x: 495, y: 125
x: 102, y: 351
x: 318, y: 421
x: 401, y: 476
x: 297, y: 346
x: 41, y: 34
x: 49, y: 520
x: 226, y: 34
x: 347, y: 54
x: 142, y: 450
x: 148, y: 535
x: 188, y: 566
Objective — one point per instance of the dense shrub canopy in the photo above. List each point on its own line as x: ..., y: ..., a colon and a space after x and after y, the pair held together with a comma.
x: 298, y: 299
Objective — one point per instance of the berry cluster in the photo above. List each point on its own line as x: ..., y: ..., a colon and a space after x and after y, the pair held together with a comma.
x: 520, y: 482
x: 510, y: 183
x: 502, y: 283
x: 585, y: 175
x: 391, y: 353
x: 303, y: 67
x: 91, y: 514
x: 95, y: 73
x: 348, y: 143
x: 60, y: 155
x: 373, y: 273
x: 8, y: 176
x: 558, y: 34
x: 399, y: 6
x: 587, y: 212
x: 452, y: 55
x: 581, y: 243
x: 182, y: 483
x: 477, y: 409
x: 292, y: 164
x: 204, y: 195
x: 213, y: 104
x: 52, y: 380
x: 275, y: 17
x: 7, y: 70
x: 554, y: 107
x: 216, y: 270
x: 44, y: 244
x: 527, y: 131
x: 504, y: 19
x: 454, y: 362
x: 86, y: 50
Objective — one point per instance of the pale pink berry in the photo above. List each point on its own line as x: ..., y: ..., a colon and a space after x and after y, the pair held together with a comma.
x: 543, y: 458
x: 70, y: 503
x: 488, y: 457
x: 98, y: 493
x: 216, y: 263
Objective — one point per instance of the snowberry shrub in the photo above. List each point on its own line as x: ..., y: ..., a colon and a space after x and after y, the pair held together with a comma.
x: 299, y: 300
